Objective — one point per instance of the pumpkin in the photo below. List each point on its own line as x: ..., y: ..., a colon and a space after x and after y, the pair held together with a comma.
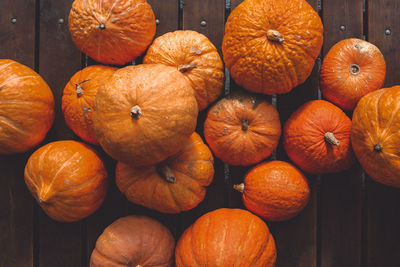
x: 135, y: 241
x: 351, y: 69
x: 242, y: 129
x: 144, y: 114
x: 226, y: 237
x: 196, y: 57
x: 271, y: 46
x: 68, y: 179
x: 375, y: 135
x: 78, y: 98
x: 110, y: 31
x: 174, y: 185
x: 275, y: 190
x: 316, y: 138
x: 26, y: 108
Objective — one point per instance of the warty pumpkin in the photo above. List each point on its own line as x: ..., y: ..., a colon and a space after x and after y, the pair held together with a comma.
x: 271, y: 46
x: 26, y: 108
x: 226, y: 238
x: 68, y: 179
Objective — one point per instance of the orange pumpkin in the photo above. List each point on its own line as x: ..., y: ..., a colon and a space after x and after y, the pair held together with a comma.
x: 78, y: 98
x: 316, y: 138
x: 110, y: 31
x: 242, y: 129
x: 275, y: 190
x: 26, y: 108
x: 68, y: 179
x: 351, y: 69
x: 196, y: 57
x: 270, y: 46
x: 226, y: 237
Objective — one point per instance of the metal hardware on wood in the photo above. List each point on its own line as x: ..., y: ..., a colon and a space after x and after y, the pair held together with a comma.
x: 60, y: 21
x: 157, y: 21
x: 203, y: 23
x: 13, y: 20
x: 343, y: 28
x: 388, y: 31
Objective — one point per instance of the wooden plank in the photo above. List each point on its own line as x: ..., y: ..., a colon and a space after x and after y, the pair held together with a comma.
x: 167, y: 15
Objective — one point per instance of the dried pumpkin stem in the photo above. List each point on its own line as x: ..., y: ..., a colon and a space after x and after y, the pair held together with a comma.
x: 102, y: 26
x: 185, y: 67
x: 355, y: 69
x: 136, y: 112
x: 378, y: 148
x: 245, y: 124
x: 275, y: 36
x: 331, y: 139
x: 165, y: 171
x: 79, y: 89
x: 239, y: 187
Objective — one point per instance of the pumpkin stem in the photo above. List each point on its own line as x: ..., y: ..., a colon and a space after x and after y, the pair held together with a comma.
x: 102, y: 26
x: 378, y: 148
x: 79, y: 90
x: 165, y: 171
x: 355, y: 69
x: 245, y: 124
x: 275, y: 36
x: 136, y: 112
x: 239, y: 187
x: 185, y: 67
x: 331, y: 139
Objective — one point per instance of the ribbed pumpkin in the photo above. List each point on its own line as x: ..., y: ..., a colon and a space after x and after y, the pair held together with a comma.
x: 316, y: 138
x: 135, y: 241
x: 275, y: 190
x: 226, y: 237
x: 78, y: 99
x: 351, y: 69
x: 26, y: 108
x: 112, y: 31
x: 375, y: 135
x: 196, y: 57
x: 68, y: 179
x: 144, y: 114
x: 270, y: 46
x: 242, y: 129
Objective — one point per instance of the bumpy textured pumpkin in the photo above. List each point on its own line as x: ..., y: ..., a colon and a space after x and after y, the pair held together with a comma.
x: 144, y: 114
x: 78, y: 99
x: 196, y: 57
x: 316, y: 138
x: 134, y: 241
x: 68, y: 179
x: 270, y: 46
x: 351, y: 69
x: 174, y: 185
x: 275, y: 190
x: 112, y: 31
x: 242, y: 129
x: 225, y: 238
x: 26, y: 108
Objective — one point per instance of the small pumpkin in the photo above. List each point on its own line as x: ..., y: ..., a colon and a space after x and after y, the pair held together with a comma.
x: 275, y: 190
x: 174, y: 185
x: 242, y: 129
x: 134, y: 241
x: 26, y: 108
x: 316, y: 138
x: 112, y: 32
x: 226, y: 237
x: 68, y: 179
x: 271, y: 46
x: 351, y: 69
x: 196, y: 57
x: 78, y: 99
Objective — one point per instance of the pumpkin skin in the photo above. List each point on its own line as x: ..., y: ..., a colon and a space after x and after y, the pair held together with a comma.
x: 316, y: 138
x: 196, y: 57
x: 78, y: 100
x: 242, y: 129
x: 134, y: 241
x: 177, y: 184
x: 225, y: 238
x: 351, y: 69
x: 68, y: 179
x: 271, y: 46
x: 144, y: 114
x: 275, y: 190
x: 112, y: 32
x: 26, y: 108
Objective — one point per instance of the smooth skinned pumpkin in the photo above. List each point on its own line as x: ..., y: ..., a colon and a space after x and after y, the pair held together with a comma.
x: 26, y: 108
x: 226, y: 238
x: 351, y: 69
x: 271, y: 46
x: 68, y: 179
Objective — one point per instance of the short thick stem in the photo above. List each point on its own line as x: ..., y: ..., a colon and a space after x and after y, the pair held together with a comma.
x: 354, y: 69
x: 102, y: 26
x: 378, y: 148
x: 136, y: 112
x: 79, y: 90
x: 275, y: 36
x: 331, y: 139
x: 185, y: 67
x: 245, y: 124
x: 239, y: 187
x: 165, y: 171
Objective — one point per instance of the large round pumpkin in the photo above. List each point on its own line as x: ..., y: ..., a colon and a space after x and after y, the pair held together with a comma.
x: 68, y: 179
x: 112, y: 31
x: 196, y: 57
x: 224, y: 238
x: 26, y: 108
x: 316, y: 138
x: 270, y: 46
x: 351, y: 69
x: 134, y: 241
x: 174, y: 185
